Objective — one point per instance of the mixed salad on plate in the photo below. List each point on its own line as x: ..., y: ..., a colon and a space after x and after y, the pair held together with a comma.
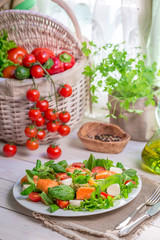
x: 80, y: 186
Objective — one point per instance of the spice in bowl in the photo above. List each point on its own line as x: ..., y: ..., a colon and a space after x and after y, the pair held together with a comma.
x: 106, y: 138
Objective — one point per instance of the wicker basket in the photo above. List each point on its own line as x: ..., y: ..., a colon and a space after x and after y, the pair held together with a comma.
x: 31, y: 30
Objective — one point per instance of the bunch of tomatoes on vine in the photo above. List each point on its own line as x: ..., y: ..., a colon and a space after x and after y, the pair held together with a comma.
x: 42, y: 62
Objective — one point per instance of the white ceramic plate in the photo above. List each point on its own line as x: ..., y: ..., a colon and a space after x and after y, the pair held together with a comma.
x: 42, y: 208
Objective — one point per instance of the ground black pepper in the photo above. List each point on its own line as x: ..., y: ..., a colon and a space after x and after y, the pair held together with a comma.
x: 106, y: 138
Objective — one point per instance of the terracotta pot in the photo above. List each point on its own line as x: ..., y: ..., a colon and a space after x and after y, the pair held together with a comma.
x: 139, y: 127
x: 90, y: 129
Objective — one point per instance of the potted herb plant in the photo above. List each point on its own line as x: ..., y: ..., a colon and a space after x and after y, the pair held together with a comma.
x: 130, y: 84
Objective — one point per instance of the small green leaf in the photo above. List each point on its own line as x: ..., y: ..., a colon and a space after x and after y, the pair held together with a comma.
x: 45, y: 198
x: 53, y: 208
x: 58, y: 168
x: 30, y: 176
x: 99, y: 83
x: 28, y: 190
x: 48, y: 64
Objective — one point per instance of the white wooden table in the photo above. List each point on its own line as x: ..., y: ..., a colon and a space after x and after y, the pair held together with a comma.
x: 17, y: 223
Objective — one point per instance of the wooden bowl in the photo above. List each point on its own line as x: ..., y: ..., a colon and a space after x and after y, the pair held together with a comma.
x: 87, y: 132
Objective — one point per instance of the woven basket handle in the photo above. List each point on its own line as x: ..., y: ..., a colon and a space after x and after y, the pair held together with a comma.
x: 2, y: 2
x: 70, y: 13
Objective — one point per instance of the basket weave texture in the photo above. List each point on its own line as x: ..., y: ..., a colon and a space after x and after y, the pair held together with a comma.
x: 30, y: 30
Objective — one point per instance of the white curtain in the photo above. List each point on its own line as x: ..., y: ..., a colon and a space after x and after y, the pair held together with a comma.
x: 134, y: 21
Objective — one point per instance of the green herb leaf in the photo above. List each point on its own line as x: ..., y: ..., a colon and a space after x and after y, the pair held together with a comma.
x: 53, y: 208
x: 45, y: 198
x: 62, y: 192
x: 82, y: 179
x: 63, y: 163
x: 120, y: 165
x: 58, y: 168
x: 28, y: 190
x: 30, y: 176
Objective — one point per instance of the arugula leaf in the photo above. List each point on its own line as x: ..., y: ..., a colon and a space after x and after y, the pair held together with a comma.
x: 46, y: 199
x: 62, y: 192
x: 28, y: 190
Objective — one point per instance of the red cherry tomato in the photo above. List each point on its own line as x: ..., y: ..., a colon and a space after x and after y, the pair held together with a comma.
x: 64, y: 116
x: 40, y: 121
x: 53, y: 152
x: 32, y: 144
x: 64, y: 130
x: 43, y: 105
x: 130, y: 181
x: 34, y: 114
x: 78, y: 164
x: 98, y: 169
x: 42, y: 56
x: 41, y: 134
x: 51, y: 53
x: 62, y: 176
x: 62, y: 204
x: 16, y: 55
x: 9, y: 150
x: 65, y: 90
x: 34, y: 197
x: 105, y: 195
x: 31, y: 131
x: 28, y: 59
x: 51, y: 114
x: 9, y: 72
x: 37, y: 71
x: 67, y: 59
x: 53, y: 126
x: 33, y: 95
x: 57, y: 66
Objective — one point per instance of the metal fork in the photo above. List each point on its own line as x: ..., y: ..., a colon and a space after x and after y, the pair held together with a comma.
x: 151, y: 201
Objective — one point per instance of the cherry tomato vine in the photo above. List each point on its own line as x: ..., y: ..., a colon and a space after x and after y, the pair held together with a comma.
x: 41, y: 114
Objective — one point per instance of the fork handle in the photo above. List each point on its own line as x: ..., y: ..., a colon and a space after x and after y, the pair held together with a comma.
x: 127, y: 220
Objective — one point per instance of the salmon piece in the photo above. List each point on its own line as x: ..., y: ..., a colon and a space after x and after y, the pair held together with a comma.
x: 71, y: 169
x: 84, y: 193
x: 25, y: 179
x: 44, y: 184
x: 104, y: 174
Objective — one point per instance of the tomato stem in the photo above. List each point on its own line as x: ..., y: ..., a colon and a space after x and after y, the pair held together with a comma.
x: 34, y: 84
x: 53, y: 83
